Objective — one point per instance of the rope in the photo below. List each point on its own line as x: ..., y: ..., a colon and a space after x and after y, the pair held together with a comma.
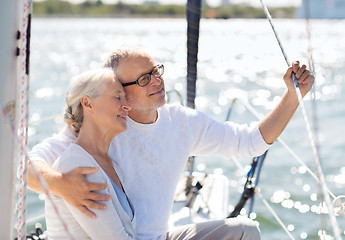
x: 259, y: 117
x: 321, y: 177
x: 274, y: 214
x: 36, y: 172
x: 239, y: 166
x: 250, y: 185
x: 35, y: 219
x: 313, y: 94
x: 24, y: 119
x: 259, y: 161
x: 312, y: 70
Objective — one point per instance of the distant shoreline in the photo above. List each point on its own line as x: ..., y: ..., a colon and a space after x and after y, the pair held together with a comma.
x: 106, y: 16
x: 97, y: 9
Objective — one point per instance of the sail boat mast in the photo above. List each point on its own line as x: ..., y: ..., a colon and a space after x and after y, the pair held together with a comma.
x: 193, y: 21
x: 8, y: 81
x: 193, y: 14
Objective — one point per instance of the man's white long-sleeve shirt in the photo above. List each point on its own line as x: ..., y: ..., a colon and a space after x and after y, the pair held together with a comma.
x: 153, y: 156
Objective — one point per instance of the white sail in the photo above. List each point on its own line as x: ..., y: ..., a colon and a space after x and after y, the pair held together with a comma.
x: 8, y: 78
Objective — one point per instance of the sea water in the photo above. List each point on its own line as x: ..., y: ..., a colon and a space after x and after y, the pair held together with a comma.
x: 237, y: 58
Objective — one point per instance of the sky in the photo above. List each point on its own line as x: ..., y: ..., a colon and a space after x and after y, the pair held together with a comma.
x: 272, y: 3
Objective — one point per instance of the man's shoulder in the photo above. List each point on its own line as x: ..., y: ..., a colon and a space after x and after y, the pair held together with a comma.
x: 176, y: 108
x: 65, y: 134
x: 171, y: 106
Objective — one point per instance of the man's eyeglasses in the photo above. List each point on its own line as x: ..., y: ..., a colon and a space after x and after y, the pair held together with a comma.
x: 145, y: 79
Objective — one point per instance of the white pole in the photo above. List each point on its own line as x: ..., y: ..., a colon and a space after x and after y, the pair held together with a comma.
x: 8, y: 86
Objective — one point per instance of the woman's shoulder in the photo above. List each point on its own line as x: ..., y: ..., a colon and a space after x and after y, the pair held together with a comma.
x: 74, y: 156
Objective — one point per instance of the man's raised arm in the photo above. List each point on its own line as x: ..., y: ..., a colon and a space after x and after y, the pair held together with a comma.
x: 275, y: 122
x: 71, y: 186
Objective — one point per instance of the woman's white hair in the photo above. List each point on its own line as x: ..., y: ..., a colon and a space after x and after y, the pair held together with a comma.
x: 86, y: 84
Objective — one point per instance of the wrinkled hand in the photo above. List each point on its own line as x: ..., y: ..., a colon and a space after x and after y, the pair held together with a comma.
x: 304, y: 78
x: 74, y: 189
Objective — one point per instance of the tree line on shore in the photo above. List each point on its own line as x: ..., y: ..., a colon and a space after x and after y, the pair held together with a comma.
x: 97, y: 8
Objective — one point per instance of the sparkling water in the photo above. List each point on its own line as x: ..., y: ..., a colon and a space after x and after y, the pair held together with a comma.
x: 237, y: 58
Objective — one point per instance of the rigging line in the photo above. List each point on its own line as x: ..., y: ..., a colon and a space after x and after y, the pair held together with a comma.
x: 308, y: 28
x: 312, y: 69
x: 258, y: 164
x: 35, y: 171
x: 252, y: 180
x: 275, y: 215
x: 313, y: 95
x: 259, y: 117
x: 35, y: 219
x: 260, y: 160
x: 334, y: 223
x: 249, y: 187
x: 24, y: 119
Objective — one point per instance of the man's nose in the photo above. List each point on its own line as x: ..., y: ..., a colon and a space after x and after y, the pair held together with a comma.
x: 156, y: 80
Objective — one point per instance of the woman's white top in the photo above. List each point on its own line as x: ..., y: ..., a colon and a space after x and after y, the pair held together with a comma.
x: 111, y: 223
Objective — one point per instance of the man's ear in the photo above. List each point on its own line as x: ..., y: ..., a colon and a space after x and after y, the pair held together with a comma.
x: 86, y: 103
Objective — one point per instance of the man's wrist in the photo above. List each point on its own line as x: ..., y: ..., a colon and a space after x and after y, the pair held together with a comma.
x: 291, y: 97
x: 53, y: 179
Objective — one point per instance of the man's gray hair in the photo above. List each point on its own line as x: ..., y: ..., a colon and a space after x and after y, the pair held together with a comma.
x: 114, y: 58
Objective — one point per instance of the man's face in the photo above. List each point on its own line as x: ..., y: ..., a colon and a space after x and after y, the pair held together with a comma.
x: 149, y: 97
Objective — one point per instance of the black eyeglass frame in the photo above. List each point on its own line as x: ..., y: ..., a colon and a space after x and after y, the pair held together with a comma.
x: 157, y: 67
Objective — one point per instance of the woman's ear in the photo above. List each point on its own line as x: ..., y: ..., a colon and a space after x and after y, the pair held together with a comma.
x: 86, y: 103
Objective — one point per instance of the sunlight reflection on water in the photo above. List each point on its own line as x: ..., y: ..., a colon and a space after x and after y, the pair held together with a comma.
x: 237, y: 58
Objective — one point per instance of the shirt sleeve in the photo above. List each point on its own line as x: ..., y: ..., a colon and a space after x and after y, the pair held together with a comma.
x: 107, y: 224
x: 226, y: 139
x: 51, y: 148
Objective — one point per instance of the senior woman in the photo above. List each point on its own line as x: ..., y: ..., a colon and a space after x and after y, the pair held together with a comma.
x: 96, y: 112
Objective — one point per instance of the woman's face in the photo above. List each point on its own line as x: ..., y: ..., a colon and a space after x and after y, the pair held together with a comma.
x: 111, y: 107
